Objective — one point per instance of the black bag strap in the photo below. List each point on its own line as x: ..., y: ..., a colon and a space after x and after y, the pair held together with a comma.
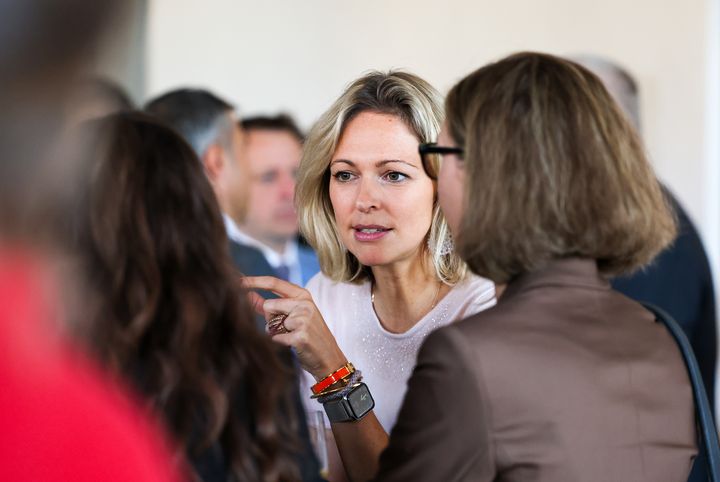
x: 708, y: 435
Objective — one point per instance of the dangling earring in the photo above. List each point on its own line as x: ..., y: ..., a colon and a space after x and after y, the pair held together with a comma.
x: 446, y: 247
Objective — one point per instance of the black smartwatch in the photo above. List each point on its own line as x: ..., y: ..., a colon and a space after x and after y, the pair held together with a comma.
x: 353, y: 406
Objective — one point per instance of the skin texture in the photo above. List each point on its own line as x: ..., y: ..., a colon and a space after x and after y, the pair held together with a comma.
x: 273, y: 158
x: 377, y: 179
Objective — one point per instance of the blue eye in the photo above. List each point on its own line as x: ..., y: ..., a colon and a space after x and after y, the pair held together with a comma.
x: 395, y: 176
x: 343, y: 176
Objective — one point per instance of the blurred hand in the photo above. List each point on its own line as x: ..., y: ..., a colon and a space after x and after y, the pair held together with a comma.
x: 308, y: 334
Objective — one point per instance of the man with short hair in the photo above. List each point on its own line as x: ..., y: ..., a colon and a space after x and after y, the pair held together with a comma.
x: 210, y: 125
x: 273, y: 148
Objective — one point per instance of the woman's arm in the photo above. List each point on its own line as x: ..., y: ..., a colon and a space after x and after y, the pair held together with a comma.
x: 336, y: 469
x: 359, y: 442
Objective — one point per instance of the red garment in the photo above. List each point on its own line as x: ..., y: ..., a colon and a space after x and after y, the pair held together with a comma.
x: 59, y: 419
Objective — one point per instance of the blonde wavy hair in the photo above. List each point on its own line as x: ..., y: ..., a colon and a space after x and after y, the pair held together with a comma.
x: 419, y: 106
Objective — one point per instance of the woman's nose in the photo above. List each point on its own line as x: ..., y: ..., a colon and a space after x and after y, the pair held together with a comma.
x: 368, y: 197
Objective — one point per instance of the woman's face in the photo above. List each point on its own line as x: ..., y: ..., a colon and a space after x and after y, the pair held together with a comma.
x: 382, y: 198
x: 451, y: 184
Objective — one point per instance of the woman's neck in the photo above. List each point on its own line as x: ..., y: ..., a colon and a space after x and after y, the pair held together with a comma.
x: 402, y: 294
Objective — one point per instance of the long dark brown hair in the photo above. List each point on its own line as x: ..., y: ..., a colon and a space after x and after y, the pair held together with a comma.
x: 166, y: 310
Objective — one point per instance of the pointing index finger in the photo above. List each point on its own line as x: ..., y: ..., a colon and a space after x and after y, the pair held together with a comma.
x: 270, y: 283
x: 256, y: 301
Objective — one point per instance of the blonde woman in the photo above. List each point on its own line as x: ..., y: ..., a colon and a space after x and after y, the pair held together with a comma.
x: 389, y: 273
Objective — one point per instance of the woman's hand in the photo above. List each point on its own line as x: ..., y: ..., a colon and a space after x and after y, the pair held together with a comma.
x: 307, y: 332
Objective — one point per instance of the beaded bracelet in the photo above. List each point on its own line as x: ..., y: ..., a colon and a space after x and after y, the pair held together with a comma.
x: 340, y: 374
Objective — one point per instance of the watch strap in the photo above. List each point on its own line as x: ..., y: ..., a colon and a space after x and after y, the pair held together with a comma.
x: 352, y: 406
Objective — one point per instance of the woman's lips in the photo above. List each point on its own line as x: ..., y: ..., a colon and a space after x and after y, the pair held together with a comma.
x: 370, y: 233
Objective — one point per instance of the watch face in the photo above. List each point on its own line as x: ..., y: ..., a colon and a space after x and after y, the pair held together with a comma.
x: 361, y: 402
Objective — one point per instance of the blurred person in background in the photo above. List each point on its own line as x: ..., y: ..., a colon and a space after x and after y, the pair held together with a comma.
x: 209, y: 124
x: 165, y: 311
x: 61, y: 419
x: 389, y: 275
x: 546, y: 188
x: 273, y: 148
x: 96, y: 97
x: 679, y: 280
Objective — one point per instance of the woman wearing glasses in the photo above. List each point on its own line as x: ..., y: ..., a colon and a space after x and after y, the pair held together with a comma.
x: 565, y: 380
x: 389, y: 273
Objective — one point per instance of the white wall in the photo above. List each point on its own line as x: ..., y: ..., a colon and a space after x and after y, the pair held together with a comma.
x: 297, y: 55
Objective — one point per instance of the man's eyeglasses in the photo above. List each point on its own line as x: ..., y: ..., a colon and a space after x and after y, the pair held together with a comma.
x: 431, y: 156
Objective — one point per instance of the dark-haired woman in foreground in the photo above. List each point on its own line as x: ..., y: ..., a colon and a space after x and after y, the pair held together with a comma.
x: 166, y: 313
x: 545, y: 186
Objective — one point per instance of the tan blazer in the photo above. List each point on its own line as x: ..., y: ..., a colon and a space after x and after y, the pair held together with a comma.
x: 564, y: 380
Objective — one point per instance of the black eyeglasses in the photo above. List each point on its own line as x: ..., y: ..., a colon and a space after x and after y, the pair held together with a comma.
x: 431, y: 156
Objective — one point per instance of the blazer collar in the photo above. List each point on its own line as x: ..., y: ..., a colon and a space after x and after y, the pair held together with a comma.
x: 568, y: 272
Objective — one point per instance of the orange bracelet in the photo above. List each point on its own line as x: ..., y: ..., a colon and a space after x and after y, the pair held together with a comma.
x: 340, y: 374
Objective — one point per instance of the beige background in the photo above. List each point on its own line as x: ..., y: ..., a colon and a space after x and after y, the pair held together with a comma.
x: 296, y: 56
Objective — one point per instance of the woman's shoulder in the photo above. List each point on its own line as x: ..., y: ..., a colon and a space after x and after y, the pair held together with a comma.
x: 473, y: 295
x: 477, y: 286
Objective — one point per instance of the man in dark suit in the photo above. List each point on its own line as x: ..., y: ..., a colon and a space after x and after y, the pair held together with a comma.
x: 210, y: 126
x: 249, y: 260
x: 273, y: 149
x: 679, y: 281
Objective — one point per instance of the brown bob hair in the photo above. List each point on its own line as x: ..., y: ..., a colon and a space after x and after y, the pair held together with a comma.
x: 553, y: 170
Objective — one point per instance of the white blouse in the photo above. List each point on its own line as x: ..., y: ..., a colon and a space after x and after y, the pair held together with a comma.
x: 386, y: 359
